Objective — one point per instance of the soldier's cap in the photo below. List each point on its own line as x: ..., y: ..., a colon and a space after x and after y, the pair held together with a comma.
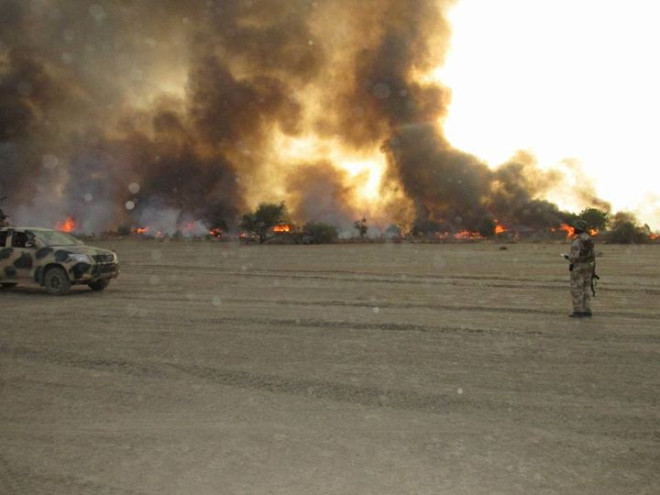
x: 580, y: 226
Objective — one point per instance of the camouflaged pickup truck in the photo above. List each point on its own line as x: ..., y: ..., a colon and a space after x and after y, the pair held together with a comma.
x: 53, y: 259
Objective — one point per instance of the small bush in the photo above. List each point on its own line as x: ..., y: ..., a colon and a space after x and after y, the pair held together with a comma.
x: 627, y: 233
x: 486, y: 227
x: 124, y: 229
x: 320, y: 233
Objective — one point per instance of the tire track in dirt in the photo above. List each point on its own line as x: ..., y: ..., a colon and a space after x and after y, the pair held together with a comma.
x: 364, y: 395
x: 11, y: 481
x: 368, y: 396
x: 496, y: 281
x: 345, y: 275
x: 381, y: 326
x: 357, y: 394
x: 78, y: 361
x: 407, y: 305
x: 325, y: 390
x: 22, y: 480
x: 411, y: 327
x: 443, y: 307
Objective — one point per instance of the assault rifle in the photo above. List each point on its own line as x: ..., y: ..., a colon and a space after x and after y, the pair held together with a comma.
x: 594, y: 279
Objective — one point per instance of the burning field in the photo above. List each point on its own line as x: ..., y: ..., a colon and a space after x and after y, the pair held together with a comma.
x: 211, y: 367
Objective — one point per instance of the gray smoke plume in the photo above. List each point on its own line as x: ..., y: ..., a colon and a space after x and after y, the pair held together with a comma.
x: 113, y: 111
x: 321, y: 195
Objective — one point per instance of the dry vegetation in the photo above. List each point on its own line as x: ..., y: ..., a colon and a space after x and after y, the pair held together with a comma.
x: 213, y: 368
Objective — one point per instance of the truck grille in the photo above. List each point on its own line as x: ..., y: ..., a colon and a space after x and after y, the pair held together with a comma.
x: 104, y: 269
x: 103, y: 258
x: 109, y: 268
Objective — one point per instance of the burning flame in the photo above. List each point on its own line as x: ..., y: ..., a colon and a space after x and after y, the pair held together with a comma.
x: 215, y: 232
x: 466, y: 234
x: 365, y: 169
x: 498, y: 228
x: 148, y: 231
x: 282, y: 228
x: 570, y: 230
x: 68, y: 225
x: 565, y: 227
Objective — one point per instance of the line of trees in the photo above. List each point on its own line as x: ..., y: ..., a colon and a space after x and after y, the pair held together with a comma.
x: 620, y: 228
x: 267, y: 216
x: 261, y: 223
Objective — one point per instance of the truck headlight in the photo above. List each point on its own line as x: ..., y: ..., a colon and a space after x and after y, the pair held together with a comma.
x: 80, y: 258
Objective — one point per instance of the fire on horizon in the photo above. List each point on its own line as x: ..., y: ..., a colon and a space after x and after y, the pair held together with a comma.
x: 163, y: 113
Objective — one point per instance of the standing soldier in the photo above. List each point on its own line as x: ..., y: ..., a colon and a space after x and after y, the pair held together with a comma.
x: 583, y: 263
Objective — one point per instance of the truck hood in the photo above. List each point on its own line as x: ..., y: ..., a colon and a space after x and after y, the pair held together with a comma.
x: 82, y: 249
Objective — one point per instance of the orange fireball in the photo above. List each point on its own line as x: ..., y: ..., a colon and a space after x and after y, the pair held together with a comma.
x: 499, y: 228
x: 565, y: 227
x: 69, y: 225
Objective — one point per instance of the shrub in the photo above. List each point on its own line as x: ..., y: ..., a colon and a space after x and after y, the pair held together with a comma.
x: 261, y: 221
x: 361, y: 227
x: 486, y: 227
x: 320, y: 233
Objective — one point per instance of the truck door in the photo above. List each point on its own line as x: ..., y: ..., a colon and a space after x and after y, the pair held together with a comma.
x: 22, y: 256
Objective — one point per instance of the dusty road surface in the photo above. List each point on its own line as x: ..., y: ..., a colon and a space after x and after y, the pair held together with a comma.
x: 214, y: 368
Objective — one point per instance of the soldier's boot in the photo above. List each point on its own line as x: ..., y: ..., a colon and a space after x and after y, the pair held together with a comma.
x: 577, y: 314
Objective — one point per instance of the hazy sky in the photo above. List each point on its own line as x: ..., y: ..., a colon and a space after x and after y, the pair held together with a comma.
x: 566, y: 80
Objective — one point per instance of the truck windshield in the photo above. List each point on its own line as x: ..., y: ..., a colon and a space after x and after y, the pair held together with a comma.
x: 56, y: 238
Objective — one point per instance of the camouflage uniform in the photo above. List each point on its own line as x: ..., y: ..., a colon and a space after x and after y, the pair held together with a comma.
x: 583, y: 259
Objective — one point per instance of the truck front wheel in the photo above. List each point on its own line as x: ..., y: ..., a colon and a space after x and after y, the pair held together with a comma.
x: 56, y: 281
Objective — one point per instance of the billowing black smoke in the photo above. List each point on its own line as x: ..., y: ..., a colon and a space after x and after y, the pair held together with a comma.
x: 89, y: 126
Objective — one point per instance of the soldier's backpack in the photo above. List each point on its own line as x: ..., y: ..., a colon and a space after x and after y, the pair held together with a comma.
x: 587, y: 254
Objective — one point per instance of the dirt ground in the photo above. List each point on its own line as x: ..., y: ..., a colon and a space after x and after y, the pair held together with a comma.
x: 218, y: 368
